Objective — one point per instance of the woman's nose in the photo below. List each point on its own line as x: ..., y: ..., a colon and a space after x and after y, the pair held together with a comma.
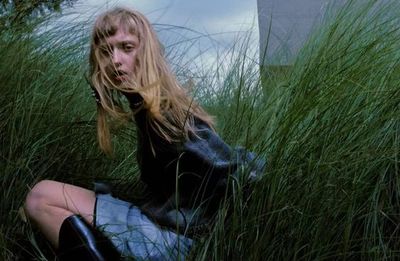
x: 116, y: 58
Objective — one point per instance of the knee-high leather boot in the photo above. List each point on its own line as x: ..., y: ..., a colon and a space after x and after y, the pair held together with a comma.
x: 80, y: 241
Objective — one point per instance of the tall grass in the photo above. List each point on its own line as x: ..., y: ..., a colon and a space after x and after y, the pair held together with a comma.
x: 47, y: 125
x: 330, y: 132
x: 329, y: 129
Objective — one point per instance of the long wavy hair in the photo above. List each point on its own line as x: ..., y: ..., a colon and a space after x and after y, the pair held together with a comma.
x: 170, y: 111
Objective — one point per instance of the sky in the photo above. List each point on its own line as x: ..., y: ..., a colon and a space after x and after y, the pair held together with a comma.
x: 210, y: 26
x: 204, y: 15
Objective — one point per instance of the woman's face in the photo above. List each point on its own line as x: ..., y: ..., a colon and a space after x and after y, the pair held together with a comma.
x: 120, y: 50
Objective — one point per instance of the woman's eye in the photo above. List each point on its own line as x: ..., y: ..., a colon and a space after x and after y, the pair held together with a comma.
x: 105, y: 51
x: 128, y: 47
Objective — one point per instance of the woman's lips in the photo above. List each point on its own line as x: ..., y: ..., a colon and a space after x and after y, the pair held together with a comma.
x: 120, y: 76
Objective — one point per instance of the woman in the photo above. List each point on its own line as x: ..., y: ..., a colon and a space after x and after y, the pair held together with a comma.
x: 183, y: 162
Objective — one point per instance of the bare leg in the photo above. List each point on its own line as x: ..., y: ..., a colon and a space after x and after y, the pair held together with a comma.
x: 50, y: 202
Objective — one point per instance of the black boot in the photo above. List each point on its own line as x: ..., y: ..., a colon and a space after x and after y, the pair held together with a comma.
x: 80, y: 241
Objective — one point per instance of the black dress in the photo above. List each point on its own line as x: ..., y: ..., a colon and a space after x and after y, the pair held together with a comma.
x: 187, y: 180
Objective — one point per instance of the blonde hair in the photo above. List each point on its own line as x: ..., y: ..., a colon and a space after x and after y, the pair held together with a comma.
x: 170, y: 111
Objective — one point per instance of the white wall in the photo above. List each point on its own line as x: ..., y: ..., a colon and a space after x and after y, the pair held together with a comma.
x: 291, y: 22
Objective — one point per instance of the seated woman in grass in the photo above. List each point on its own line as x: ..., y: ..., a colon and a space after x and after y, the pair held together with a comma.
x: 183, y: 162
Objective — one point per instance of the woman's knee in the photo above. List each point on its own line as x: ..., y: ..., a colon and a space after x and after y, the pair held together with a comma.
x: 38, y: 198
x: 50, y: 198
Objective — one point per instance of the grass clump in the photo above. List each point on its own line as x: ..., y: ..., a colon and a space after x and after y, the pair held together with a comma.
x: 330, y: 132
x: 47, y: 126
